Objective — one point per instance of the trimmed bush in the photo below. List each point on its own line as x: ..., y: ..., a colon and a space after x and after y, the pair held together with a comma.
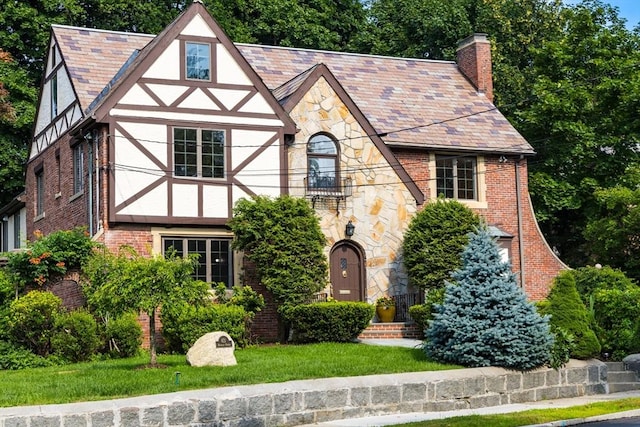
x: 569, y: 313
x: 613, y: 300
x: 32, y: 320
x: 423, y: 313
x: 76, y: 337
x: 13, y: 357
x: 183, y: 324
x: 123, y: 336
x: 617, y: 316
x: 329, y: 321
x: 434, y: 241
x: 7, y: 295
x: 590, y: 279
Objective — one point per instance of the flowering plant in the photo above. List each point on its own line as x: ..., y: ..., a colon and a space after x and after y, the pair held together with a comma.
x: 385, y: 302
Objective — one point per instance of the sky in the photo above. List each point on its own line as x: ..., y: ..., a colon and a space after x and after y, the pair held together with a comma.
x: 629, y: 9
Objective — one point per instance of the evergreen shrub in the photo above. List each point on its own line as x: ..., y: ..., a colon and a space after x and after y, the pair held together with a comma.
x: 485, y: 319
x: 335, y: 321
x: 123, y: 336
x: 14, y: 357
x: 183, y: 324
x: 76, y: 336
x: 32, y: 319
x: 567, y: 312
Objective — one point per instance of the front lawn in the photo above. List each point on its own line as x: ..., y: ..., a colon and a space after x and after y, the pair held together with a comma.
x: 260, y: 364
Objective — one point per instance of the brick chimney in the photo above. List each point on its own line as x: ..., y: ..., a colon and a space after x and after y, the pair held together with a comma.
x: 474, y: 61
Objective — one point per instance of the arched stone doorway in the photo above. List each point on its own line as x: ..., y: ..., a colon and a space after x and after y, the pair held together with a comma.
x: 347, y: 271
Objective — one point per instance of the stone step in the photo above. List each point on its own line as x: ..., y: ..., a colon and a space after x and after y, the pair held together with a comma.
x: 620, y: 387
x: 615, y: 366
x: 621, y: 377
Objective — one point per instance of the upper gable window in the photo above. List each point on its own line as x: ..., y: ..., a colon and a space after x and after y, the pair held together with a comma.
x: 456, y: 177
x: 54, y: 95
x: 198, y: 61
x: 322, y: 163
x: 198, y: 153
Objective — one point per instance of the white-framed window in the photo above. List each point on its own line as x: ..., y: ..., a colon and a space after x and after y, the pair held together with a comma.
x: 322, y: 163
x: 53, y: 92
x: 16, y: 230
x: 215, y: 256
x: 39, y: 193
x: 198, y: 61
x: 78, y: 169
x: 456, y: 177
x: 199, y: 153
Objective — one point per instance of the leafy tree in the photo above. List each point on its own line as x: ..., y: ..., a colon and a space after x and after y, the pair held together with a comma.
x: 128, y: 281
x: 17, y: 110
x: 568, y: 312
x: 282, y: 238
x: 436, y: 237
x: 485, y: 319
x: 581, y: 120
x: 613, y: 236
x: 432, y: 28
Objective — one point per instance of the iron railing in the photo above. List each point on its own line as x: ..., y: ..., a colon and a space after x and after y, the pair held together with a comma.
x: 403, y: 302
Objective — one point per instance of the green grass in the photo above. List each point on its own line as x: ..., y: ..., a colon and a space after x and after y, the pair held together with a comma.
x: 261, y: 364
x: 535, y: 416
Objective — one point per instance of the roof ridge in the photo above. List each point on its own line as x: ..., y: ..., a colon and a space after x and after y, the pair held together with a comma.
x: 99, y: 30
x: 335, y: 52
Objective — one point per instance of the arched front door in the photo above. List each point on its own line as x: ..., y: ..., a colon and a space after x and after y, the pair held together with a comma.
x: 347, y: 271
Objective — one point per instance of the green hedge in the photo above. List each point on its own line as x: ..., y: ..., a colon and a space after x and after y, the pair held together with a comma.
x: 329, y: 321
x: 183, y: 324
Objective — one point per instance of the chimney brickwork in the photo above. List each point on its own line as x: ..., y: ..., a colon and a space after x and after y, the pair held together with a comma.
x: 474, y: 61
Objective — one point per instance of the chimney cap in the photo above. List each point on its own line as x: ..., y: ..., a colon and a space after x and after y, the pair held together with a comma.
x: 473, y: 38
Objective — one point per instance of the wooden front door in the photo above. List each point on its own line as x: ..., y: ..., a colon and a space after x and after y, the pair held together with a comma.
x: 347, y: 272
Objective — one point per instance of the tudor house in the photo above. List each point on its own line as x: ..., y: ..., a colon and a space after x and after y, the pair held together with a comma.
x: 150, y: 140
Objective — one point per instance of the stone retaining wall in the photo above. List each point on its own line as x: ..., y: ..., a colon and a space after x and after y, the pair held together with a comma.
x: 304, y: 402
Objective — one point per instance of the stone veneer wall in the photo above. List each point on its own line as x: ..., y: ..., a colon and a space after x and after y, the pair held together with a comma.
x: 311, y: 401
x: 380, y: 207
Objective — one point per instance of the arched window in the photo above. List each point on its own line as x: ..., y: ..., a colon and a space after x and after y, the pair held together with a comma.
x: 322, y: 163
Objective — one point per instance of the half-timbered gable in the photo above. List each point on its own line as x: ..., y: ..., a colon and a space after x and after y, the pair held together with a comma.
x: 192, y: 129
x: 58, y: 107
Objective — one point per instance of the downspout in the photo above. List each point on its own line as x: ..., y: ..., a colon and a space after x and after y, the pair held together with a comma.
x: 89, y: 139
x: 519, y: 214
x: 97, y: 139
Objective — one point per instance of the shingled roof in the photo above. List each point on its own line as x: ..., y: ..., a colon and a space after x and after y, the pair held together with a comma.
x: 409, y: 102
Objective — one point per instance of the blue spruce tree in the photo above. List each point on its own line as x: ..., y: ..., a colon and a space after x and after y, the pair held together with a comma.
x: 485, y: 319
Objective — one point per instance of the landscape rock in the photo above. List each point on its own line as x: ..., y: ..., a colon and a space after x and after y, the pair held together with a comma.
x: 212, y: 349
x: 632, y: 362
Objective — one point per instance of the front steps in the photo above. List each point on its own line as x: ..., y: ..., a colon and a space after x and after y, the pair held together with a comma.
x: 391, y: 330
x: 620, y: 378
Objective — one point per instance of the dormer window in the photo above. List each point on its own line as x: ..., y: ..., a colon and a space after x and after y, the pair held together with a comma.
x: 198, y: 61
x: 322, y: 163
